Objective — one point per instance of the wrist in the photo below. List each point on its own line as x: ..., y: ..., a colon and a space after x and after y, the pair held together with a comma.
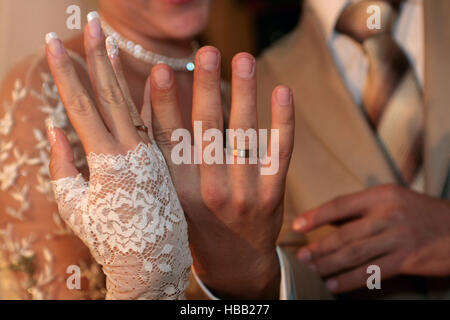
x: 250, y: 279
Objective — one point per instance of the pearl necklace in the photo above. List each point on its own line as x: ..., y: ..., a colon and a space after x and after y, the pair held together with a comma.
x: 137, y: 51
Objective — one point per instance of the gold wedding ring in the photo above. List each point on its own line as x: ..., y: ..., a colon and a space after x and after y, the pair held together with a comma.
x: 142, y: 128
x: 241, y: 153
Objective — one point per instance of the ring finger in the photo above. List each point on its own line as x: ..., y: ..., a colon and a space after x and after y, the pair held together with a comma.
x: 110, y: 99
x: 243, y: 120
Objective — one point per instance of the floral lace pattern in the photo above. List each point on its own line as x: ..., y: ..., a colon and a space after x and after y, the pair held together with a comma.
x: 25, y: 187
x: 130, y: 217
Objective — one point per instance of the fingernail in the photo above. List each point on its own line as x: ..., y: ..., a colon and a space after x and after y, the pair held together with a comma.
x: 54, y: 44
x: 299, y: 224
x: 209, y: 60
x: 163, y: 78
x: 245, y: 67
x: 284, y: 97
x: 304, y: 255
x: 95, y: 28
x: 332, y: 285
x: 51, y: 134
x: 111, y: 47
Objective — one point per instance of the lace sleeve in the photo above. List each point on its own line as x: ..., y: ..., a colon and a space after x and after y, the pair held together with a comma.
x: 129, y: 216
x: 37, y: 250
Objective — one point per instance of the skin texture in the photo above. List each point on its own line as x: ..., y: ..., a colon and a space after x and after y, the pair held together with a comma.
x: 107, y: 120
x: 157, y: 30
x: 171, y: 42
x: 234, y: 213
x: 401, y: 231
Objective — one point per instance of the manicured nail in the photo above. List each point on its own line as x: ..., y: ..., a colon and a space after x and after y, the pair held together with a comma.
x: 209, y: 60
x: 163, y: 78
x: 245, y: 68
x: 54, y: 44
x: 51, y: 134
x: 332, y: 285
x: 50, y: 36
x: 111, y: 47
x: 284, y: 96
x: 304, y: 255
x: 299, y: 224
x: 95, y: 27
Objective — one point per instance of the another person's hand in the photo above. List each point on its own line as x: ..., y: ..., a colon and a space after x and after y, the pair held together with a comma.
x: 400, y: 231
x: 128, y: 214
x: 234, y: 213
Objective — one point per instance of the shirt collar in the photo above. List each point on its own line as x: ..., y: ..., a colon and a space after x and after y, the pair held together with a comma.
x: 328, y: 12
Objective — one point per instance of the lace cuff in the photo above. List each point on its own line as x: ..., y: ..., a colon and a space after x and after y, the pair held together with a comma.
x: 131, y: 219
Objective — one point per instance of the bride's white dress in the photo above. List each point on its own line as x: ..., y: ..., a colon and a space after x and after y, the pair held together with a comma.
x: 128, y: 214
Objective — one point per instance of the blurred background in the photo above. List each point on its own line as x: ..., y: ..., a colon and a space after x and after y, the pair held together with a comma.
x: 236, y: 25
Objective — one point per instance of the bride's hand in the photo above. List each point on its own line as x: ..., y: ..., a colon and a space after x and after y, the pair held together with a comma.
x: 128, y: 214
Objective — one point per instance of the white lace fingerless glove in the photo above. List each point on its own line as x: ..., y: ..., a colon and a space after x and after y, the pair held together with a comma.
x: 131, y: 219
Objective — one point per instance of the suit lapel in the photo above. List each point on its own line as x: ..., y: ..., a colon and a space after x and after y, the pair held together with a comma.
x: 325, y: 104
x: 437, y: 95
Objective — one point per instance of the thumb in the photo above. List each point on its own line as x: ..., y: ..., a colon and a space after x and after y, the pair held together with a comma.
x: 61, y: 155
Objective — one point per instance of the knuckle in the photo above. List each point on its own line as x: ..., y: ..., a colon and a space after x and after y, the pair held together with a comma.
x: 241, y: 204
x: 163, y: 138
x: 242, y: 135
x: 64, y: 67
x: 269, y: 200
x: 243, y: 128
x: 98, y: 50
x: 163, y: 97
x: 210, y: 124
x: 355, y: 254
x: 392, y: 192
x: 213, y: 197
x: 397, y: 213
x: 111, y: 96
x: 210, y: 82
x: 81, y: 104
x: 284, y: 155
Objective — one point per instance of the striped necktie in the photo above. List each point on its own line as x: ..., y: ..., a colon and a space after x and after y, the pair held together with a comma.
x: 392, y: 97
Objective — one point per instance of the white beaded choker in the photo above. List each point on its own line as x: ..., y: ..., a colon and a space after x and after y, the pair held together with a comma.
x: 137, y: 51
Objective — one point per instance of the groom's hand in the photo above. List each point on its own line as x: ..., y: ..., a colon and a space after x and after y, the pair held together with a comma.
x: 400, y: 231
x: 234, y: 213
